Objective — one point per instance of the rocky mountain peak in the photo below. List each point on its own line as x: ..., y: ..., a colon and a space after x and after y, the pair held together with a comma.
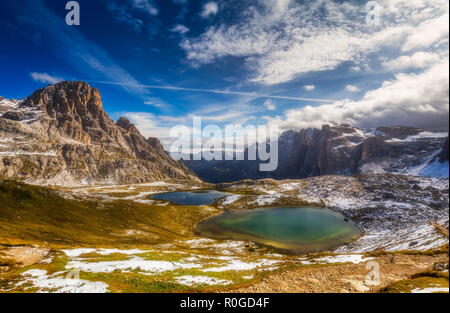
x: 125, y: 124
x: 70, y: 139
x: 76, y: 110
x: 74, y: 98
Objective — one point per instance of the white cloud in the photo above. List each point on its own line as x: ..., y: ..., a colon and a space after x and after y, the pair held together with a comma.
x: 172, y: 119
x: 417, y: 60
x: 270, y: 105
x: 150, y: 125
x: 210, y: 8
x: 45, y: 78
x: 289, y: 38
x: 154, y: 103
x: 427, y: 33
x: 180, y: 29
x: 309, y: 87
x: 418, y: 100
x: 352, y: 88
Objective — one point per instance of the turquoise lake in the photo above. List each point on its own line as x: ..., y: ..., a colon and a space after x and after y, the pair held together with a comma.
x: 298, y: 230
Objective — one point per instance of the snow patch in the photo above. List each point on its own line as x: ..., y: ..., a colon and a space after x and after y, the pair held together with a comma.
x: 349, y: 258
x: 238, y: 265
x: 52, y: 283
x: 430, y: 290
x: 230, y: 199
x: 127, y: 266
x: 189, y: 280
x: 436, y: 169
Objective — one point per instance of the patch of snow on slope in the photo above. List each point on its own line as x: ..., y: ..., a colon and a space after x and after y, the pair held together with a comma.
x: 422, y: 135
x: 436, y: 169
x: 350, y: 258
x: 418, y: 237
x: 10, y: 103
x: 19, y: 153
x: 135, y: 263
x: 230, y: 199
x: 430, y: 290
x: 189, y: 280
x: 372, y: 168
x: 416, y: 170
x: 74, y: 253
x: 265, y: 200
x: 239, y: 265
x: 47, y: 283
x: 440, y: 184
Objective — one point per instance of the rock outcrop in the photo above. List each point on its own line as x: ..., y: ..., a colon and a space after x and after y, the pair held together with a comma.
x: 337, y: 150
x: 443, y: 156
x: 61, y: 135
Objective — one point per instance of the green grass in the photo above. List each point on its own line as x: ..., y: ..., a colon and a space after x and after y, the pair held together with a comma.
x: 426, y: 279
x: 96, y: 257
x: 162, y: 256
x: 37, y: 215
x: 406, y: 286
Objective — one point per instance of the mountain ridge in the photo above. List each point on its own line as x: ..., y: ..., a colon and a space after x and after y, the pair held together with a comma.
x: 340, y: 149
x: 61, y: 135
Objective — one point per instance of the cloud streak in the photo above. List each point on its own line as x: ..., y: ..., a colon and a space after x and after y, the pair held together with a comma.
x: 45, y: 78
x: 79, y: 52
x: 216, y: 91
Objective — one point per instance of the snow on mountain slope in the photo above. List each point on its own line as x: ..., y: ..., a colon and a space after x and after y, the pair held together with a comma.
x: 338, y: 150
x: 436, y: 169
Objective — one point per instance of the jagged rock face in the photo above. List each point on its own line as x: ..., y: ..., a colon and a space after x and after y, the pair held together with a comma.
x: 443, y: 156
x: 61, y: 135
x: 337, y: 149
x: 343, y: 149
x: 75, y: 109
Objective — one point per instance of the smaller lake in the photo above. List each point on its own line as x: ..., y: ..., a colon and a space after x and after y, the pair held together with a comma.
x: 298, y: 230
x: 191, y: 198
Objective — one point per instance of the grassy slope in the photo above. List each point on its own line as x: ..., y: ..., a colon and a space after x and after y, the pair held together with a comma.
x: 30, y: 214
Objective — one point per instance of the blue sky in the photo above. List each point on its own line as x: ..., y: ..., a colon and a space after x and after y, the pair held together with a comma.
x: 292, y: 63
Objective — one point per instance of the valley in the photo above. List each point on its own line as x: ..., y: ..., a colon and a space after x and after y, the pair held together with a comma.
x: 88, y: 204
x: 120, y: 239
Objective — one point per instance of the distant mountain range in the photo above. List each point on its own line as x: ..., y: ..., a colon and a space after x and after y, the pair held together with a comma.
x: 342, y: 150
x: 61, y: 135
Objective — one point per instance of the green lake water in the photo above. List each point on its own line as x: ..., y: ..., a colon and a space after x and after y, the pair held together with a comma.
x: 298, y: 230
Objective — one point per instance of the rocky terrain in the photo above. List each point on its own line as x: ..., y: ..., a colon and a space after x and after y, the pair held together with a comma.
x: 60, y: 135
x: 394, y: 211
x: 342, y: 150
x: 119, y: 239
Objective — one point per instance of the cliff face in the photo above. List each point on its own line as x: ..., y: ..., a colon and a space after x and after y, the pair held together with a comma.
x: 337, y: 149
x: 443, y: 156
x: 61, y: 135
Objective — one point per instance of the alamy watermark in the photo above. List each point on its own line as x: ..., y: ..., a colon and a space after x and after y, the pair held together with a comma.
x: 233, y: 142
x: 373, y: 16
x: 73, y: 16
x: 373, y: 276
